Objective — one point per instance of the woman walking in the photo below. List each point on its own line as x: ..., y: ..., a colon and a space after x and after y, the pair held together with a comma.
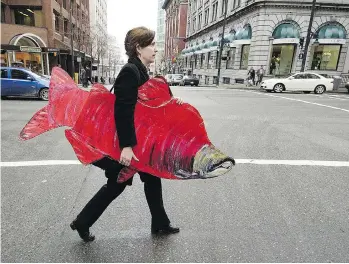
x: 140, y: 48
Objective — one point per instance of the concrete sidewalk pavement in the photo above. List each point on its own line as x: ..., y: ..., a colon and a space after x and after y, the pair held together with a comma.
x: 245, y: 87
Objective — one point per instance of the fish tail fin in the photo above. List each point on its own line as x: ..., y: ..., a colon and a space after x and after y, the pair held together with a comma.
x: 37, y: 125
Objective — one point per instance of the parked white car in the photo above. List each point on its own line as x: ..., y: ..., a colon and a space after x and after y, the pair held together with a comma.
x: 305, y: 81
x: 174, y: 79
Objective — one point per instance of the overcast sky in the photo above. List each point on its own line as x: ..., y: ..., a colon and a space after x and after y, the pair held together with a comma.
x: 123, y: 15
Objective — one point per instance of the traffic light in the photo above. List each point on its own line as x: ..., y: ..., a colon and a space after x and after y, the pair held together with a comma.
x: 301, y: 41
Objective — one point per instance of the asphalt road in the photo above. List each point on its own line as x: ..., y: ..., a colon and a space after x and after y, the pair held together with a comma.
x: 255, y: 213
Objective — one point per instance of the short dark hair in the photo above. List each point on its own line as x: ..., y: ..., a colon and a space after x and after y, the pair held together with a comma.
x: 141, y: 36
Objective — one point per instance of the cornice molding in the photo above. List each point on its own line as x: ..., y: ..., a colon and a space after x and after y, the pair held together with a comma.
x: 265, y: 4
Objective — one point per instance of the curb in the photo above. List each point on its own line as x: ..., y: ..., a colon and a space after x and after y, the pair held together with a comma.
x: 339, y: 91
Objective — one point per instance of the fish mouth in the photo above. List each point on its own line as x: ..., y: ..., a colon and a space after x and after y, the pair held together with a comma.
x: 221, y: 168
x: 209, y: 162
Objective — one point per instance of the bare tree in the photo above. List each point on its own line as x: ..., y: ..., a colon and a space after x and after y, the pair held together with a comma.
x: 113, y: 54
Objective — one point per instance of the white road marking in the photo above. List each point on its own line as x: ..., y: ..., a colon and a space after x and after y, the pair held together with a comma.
x: 325, y: 163
x: 39, y: 163
x: 298, y: 100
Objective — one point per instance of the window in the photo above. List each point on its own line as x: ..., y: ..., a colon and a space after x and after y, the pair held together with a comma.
x: 202, y: 60
x: 217, y: 59
x: 4, y: 73
x: 300, y: 76
x: 19, y: 75
x: 245, y: 51
x: 2, y: 13
x: 236, y: 3
x: 65, y: 4
x: 194, y: 23
x: 231, y: 58
x: 196, y: 61
x: 24, y: 17
x: 207, y: 11
x: 194, y: 6
x: 226, y: 80
x: 209, y: 58
x: 56, y: 22
x: 282, y: 59
x: 325, y: 57
x: 215, y: 79
x: 214, y: 11
x: 312, y: 76
x: 224, y: 2
x: 200, y: 20
x: 66, y: 27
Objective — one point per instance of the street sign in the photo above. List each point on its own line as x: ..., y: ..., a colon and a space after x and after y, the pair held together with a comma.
x: 30, y: 49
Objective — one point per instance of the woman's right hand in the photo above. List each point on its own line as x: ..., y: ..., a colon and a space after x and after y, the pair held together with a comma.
x: 126, y: 156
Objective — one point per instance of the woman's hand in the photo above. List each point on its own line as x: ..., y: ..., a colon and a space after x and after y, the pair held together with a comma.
x: 126, y: 156
x: 179, y: 100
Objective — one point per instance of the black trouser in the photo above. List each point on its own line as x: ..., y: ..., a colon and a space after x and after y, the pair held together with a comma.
x: 97, y: 205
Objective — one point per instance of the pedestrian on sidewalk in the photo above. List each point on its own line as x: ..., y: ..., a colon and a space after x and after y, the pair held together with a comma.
x: 252, y: 76
x: 83, y: 78
x: 140, y: 48
x: 260, y: 74
x: 88, y: 75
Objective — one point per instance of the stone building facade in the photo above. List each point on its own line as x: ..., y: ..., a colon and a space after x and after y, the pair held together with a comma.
x: 265, y: 33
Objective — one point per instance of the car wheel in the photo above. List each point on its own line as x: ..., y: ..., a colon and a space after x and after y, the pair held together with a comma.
x: 278, y: 88
x: 43, y: 94
x: 320, y: 89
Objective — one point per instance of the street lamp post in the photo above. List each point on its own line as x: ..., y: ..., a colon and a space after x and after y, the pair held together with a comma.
x: 222, y: 42
x: 72, y: 41
x: 308, y: 36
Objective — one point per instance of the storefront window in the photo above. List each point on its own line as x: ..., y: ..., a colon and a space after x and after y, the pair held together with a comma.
x: 4, y: 60
x: 281, y: 59
x: 209, y: 58
x: 325, y: 57
x: 245, y: 51
x: 202, y: 60
x: 24, y: 17
x: 31, y: 61
x: 217, y: 59
x: 231, y: 58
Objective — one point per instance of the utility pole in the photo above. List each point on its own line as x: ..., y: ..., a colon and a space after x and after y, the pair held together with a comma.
x: 222, y: 42
x: 308, y: 36
x: 72, y: 40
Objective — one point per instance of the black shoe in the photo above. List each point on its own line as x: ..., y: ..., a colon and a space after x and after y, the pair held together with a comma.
x: 165, y: 230
x: 84, y: 234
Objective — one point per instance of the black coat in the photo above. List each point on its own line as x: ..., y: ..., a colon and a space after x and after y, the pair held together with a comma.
x: 131, y: 77
x: 126, y: 92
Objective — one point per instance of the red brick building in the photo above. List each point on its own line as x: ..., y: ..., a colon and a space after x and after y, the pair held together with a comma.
x: 37, y: 34
x: 175, y: 31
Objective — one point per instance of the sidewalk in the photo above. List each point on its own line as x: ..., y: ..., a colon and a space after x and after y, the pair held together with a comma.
x: 244, y: 87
